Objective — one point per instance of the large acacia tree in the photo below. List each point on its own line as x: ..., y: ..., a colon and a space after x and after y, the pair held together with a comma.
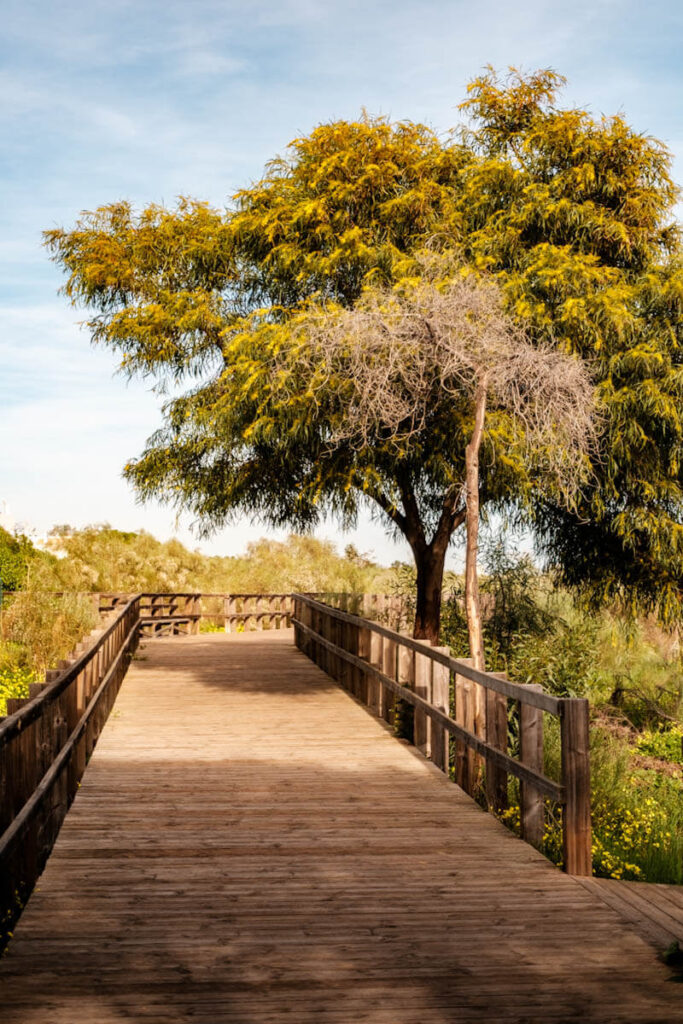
x: 569, y: 214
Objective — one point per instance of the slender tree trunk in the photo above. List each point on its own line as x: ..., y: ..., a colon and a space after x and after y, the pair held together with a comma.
x: 430, y: 558
x: 472, y: 599
x: 430, y: 564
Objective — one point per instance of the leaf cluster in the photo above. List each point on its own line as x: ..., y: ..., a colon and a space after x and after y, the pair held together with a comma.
x: 570, y: 214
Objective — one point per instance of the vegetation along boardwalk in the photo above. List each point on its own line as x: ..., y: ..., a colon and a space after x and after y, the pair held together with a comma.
x: 250, y: 845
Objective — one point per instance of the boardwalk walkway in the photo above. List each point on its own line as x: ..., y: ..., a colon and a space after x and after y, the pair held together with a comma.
x: 250, y: 846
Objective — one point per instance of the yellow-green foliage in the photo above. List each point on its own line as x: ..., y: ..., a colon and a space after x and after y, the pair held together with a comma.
x: 99, y: 558
x: 37, y: 628
x: 642, y: 842
x: 13, y: 683
x: 44, y: 622
x: 571, y: 214
x: 636, y: 812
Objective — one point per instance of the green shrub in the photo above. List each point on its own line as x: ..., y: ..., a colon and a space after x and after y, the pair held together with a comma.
x: 665, y: 744
x: 42, y: 627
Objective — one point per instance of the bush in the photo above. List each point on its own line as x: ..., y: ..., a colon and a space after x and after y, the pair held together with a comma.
x: 40, y: 628
x: 665, y: 744
x: 631, y: 672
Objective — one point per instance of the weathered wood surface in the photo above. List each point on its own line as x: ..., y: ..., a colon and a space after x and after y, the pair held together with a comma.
x: 655, y: 911
x: 250, y: 846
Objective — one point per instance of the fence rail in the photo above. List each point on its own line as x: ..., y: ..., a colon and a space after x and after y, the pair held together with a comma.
x: 173, y: 613
x: 460, y: 718
x: 46, y: 740
x: 45, y: 743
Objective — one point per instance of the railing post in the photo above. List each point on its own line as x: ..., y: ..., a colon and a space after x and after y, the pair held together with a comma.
x: 388, y: 667
x: 531, y: 754
x: 364, y: 647
x: 464, y: 715
x: 576, y: 782
x: 406, y: 677
x: 353, y: 640
x: 333, y: 631
x: 297, y: 615
x: 496, y: 734
x: 422, y: 725
x: 309, y: 619
x: 374, y: 685
x: 441, y: 687
x: 342, y: 640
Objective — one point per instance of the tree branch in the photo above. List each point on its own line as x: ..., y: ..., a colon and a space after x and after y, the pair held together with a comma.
x: 390, y: 509
x: 416, y: 538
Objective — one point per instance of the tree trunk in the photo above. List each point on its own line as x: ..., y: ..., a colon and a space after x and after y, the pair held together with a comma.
x: 430, y: 568
x: 472, y: 599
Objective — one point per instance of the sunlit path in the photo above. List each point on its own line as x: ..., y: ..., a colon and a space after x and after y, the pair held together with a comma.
x: 250, y: 845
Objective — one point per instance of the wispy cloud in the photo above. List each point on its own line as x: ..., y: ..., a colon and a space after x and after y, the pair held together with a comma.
x: 115, y: 98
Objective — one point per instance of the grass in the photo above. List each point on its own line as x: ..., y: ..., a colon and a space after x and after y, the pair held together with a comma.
x: 631, y: 671
x: 37, y: 629
x: 632, y: 674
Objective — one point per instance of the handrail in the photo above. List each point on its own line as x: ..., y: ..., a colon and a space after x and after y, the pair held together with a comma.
x: 32, y: 806
x: 453, y: 701
x: 515, y: 691
x: 514, y: 767
x: 13, y: 724
x: 44, y: 748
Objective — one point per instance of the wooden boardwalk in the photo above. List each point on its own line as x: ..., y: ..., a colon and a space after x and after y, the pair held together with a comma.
x: 655, y: 911
x: 250, y: 846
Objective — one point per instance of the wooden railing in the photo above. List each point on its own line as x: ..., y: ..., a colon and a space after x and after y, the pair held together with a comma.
x: 256, y: 611
x: 183, y: 613
x: 460, y: 719
x: 45, y: 743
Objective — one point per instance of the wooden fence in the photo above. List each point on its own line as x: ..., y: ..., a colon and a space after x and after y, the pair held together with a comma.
x: 460, y: 718
x: 45, y: 743
x: 165, y: 614
x: 46, y: 740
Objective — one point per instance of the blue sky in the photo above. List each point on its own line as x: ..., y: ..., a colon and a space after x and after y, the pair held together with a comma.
x: 147, y: 100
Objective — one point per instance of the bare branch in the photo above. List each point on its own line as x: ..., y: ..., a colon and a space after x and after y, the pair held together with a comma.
x: 401, y: 354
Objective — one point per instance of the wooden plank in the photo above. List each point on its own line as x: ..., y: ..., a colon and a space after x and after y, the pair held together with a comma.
x: 532, y: 810
x: 315, y: 869
x: 516, y: 691
x: 576, y: 784
x: 639, y: 909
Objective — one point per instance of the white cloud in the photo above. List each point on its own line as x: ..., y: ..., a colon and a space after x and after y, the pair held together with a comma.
x: 146, y: 101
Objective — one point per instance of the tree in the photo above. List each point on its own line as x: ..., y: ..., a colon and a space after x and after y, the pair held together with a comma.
x: 17, y: 555
x: 567, y: 213
x: 433, y: 369
x: 574, y: 217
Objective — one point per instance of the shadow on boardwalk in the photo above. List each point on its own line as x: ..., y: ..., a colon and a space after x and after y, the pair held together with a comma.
x: 250, y: 846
